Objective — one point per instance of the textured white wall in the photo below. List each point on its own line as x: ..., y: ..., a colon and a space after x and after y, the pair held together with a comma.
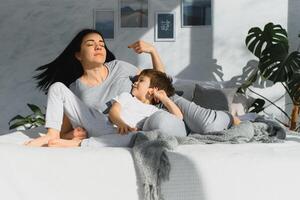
x: 231, y: 24
x: 33, y: 32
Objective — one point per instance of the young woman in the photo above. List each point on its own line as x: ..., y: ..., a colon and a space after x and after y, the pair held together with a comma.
x: 90, y: 70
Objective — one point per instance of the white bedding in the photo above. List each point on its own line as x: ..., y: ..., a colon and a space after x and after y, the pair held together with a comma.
x: 199, y: 172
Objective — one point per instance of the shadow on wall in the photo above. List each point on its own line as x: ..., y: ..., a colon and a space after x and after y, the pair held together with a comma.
x: 293, y: 23
x: 248, y: 71
x: 202, y: 65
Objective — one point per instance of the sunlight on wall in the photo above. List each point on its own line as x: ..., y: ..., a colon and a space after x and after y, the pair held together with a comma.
x: 231, y: 24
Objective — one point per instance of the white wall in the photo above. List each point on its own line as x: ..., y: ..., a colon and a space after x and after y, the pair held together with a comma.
x: 33, y: 32
x: 231, y: 24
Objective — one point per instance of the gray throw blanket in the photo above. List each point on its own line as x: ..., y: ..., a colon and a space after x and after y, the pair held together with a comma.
x: 149, y: 149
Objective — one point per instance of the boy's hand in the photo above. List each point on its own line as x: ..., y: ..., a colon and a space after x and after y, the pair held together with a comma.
x: 123, y: 129
x: 159, y: 95
x: 141, y: 47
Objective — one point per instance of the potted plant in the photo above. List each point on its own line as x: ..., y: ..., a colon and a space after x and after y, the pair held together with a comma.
x: 35, y: 119
x: 276, y: 63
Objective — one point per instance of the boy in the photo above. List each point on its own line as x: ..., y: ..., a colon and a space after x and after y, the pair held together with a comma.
x: 150, y: 88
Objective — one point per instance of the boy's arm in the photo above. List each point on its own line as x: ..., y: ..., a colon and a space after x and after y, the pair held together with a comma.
x: 114, y: 116
x: 168, y: 103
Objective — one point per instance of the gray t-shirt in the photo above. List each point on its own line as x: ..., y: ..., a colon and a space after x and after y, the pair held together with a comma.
x: 117, y: 82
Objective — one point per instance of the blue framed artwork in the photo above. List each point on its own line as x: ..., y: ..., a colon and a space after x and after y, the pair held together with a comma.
x: 133, y: 13
x: 104, y: 22
x: 165, y: 26
x: 195, y: 13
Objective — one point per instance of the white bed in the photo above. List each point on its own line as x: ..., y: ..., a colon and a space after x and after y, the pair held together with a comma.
x: 199, y: 172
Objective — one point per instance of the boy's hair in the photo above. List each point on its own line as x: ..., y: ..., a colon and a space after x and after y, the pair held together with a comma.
x: 159, y: 80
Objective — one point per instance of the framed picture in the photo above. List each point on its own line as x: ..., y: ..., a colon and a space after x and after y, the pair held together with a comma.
x: 104, y: 22
x: 165, y: 26
x: 133, y: 13
x: 195, y: 13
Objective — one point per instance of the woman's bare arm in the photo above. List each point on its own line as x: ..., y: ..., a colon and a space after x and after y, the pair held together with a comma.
x: 144, y: 47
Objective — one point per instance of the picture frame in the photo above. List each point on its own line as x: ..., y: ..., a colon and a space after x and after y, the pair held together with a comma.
x: 165, y: 26
x: 133, y: 13
x: 104, y: 22
x: 196, y: 13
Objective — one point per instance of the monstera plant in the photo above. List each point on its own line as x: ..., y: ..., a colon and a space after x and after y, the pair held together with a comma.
x: 276, y: 63
x: 35, y: 119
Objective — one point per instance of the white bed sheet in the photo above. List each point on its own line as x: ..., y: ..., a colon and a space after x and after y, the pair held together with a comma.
x: 198, y: 172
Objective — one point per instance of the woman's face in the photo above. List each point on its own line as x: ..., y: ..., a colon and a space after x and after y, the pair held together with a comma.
x: 92, y: 50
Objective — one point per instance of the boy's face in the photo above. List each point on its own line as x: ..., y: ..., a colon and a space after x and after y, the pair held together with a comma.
x: 141, y: 88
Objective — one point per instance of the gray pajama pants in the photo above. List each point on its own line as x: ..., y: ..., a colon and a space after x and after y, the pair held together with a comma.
x: 62, y: 101
x: 202, y: 120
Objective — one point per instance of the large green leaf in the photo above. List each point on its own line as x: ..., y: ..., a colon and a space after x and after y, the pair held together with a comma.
x: 39, y: 122
x: 257, y: 40
x: 18, y: 117
x: 276, y: 65
x: 293, y: 86
x: 293, y: 62
x: 17, y: 124
x: 257, y: 106
x: 35, y: 109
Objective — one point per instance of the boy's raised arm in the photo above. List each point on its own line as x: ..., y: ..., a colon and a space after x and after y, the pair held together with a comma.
x: 168, y: 103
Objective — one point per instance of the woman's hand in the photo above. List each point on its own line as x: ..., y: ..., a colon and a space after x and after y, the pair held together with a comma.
x: 123, y: 128
x: 141, y: 46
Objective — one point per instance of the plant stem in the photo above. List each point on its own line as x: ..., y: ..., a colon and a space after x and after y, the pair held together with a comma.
x: 287, y: 90
x: 271, y: 103
x: 276, y: 101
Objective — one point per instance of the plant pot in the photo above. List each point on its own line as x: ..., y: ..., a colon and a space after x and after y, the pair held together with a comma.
x: 294, y: 117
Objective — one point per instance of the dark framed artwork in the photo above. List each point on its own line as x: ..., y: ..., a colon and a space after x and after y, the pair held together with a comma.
x: 104, y: 22
x: 195, y: 13
x: 165, y: 26
x: 133, y: 13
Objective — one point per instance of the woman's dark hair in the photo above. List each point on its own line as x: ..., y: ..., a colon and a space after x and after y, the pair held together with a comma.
x: 66, y: 68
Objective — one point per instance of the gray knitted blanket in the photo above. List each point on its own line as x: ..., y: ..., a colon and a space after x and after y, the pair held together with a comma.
x: 149, y: 149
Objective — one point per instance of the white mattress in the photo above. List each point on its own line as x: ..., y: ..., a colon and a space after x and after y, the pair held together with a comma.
x: 208, y: 172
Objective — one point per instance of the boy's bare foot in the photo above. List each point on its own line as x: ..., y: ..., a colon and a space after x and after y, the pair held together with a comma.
x: 77, y: 133
x: 236, y: 120
x: 64, y: 143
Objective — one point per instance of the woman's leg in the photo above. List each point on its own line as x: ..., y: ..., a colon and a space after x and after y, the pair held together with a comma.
x: 67, y: 132
x: 76, y: 133
x: 61, y: 100
x: 43, y: 140
x: 64, y: 143
x: 66, y: 126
